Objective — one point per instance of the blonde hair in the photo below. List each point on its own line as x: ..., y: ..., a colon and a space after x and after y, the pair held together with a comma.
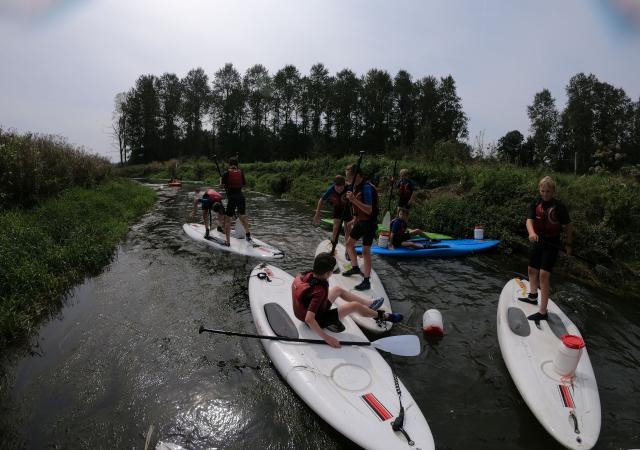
x: 548, y: 181
x: 404, y: 172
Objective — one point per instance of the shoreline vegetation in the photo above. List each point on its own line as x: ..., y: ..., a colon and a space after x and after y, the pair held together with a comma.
x: 454, y: 197
x: 62, y: 215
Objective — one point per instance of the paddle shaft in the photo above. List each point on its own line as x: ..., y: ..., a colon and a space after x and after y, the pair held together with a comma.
x: 395, y: 165
x: 353, y: 187
x: 279, y: 338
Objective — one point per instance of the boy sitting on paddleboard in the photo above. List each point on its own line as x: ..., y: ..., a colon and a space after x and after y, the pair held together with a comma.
x: 312, y: 300
x: 400, y: 236
x: 211, y: 200
x: 547, y: 219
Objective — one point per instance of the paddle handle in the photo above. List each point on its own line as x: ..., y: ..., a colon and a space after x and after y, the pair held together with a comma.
x: 278, y: 338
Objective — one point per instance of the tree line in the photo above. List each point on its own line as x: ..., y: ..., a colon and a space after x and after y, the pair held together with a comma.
x: 264, y: 117
x: 598, y: 130
x: 288, y: 115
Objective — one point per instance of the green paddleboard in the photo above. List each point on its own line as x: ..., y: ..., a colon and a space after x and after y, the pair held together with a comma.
x: 328, y: 223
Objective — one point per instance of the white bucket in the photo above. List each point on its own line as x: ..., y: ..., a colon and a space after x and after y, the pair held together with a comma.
x: 568, y: 355
x: 432, y: 323
x: 383, y: 240
x: 478, y: 232
x: 238, y: 231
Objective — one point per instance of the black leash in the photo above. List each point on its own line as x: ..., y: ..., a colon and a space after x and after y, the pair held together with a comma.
x: 397, y: 425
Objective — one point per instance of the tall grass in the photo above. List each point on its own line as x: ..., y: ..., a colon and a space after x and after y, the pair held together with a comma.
x: 47, y: 250
x: 36, y: 167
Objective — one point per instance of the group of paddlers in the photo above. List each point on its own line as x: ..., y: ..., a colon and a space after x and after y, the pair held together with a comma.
x: 355, y: 204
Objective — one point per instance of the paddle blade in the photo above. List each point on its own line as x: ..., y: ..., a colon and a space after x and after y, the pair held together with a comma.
x: 405, y: 345
x: 386, y: 221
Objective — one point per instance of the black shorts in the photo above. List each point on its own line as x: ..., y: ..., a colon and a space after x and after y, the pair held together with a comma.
x: 543, y: 256
x: 235, y: 201
x: 365, y: 230
x: 398, y: 240
x: 343, y: 213
x: 328, y: 318
x: 207, y: 204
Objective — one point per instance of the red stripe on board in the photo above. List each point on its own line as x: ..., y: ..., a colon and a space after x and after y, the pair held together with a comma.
x: 377, y: 407
x: 566, y: 396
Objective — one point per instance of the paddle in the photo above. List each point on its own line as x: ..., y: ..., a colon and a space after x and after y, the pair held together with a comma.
x: 386, y: 220
x: 404, y: 345
x: 353, y: 187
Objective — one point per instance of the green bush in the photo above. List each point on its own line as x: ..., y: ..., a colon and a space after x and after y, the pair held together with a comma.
x: 45, y: 251
x: 36, y: 167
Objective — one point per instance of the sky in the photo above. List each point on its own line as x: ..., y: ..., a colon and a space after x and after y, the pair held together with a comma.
x: 62, y: 62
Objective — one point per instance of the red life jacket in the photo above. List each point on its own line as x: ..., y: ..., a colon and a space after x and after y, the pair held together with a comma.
x: 361, y: 215
x: 546, y: 224
x: 234, y: 179
x: 338, y: 199
x: 213, y: 195
x: 404, y: 191
x: 300, y: 290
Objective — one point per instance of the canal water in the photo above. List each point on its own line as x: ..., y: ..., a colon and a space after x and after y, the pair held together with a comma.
x: 122, y: 365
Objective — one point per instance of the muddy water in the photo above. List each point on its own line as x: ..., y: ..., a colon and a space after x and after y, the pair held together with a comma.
x: 123, y: 361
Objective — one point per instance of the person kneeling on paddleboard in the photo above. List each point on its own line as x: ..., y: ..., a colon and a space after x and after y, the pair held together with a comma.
x: 312, y: 300
x: 400, y: 236
x: 211, y: 200
x: 233, y: 180
x: 547, y: 219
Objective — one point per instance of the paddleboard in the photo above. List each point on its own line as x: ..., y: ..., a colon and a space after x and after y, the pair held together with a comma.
x: 328, y: 223
x: 255, y: 249
x: 349, y: 283
x: 567, y: 407
x: 437, y: 249
x: 352, y: 388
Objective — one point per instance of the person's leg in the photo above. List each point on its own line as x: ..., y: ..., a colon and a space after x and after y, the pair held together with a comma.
x: 534, y: 281
x: 337, y: 291
x: 351, y: 251
x: 245, y: 222
x: 336, y: 230
x: 366, y: 258
x: 355, y: 307
x: 545, y: 288
x: 221, y: 219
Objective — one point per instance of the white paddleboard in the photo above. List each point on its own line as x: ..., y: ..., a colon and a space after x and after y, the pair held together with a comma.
x: 349, y: 283
x: 351, y: 388
x: 567, y: 407
x: 255, y: 249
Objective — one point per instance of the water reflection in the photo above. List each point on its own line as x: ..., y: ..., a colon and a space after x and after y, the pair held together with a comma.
x: 124, y: 355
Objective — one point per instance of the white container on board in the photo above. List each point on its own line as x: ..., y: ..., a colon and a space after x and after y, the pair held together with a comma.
x: 568, y: 355
x: 383, y: 239
x: 432, y: 323
x: 478, y: 232
x: 239, y: 231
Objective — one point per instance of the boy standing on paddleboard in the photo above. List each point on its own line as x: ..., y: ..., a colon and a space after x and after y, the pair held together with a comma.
x: 547, y: 219
x: 364, y: 199
x: 312, y: 300
x: 337, y: 195
x: 406, y: 190
x: 233, y: 180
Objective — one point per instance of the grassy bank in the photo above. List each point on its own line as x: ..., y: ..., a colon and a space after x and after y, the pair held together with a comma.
x: 453, y: 198
x: 45, y: 251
